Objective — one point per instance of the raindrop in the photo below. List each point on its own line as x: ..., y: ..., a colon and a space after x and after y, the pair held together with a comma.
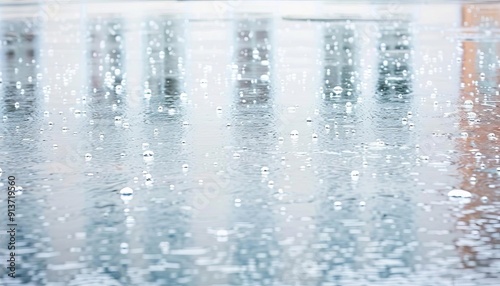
x: 264, y: 170
x: 123, y: 248
x: 148, y: 155
x: 337, y: 90
x: 204, y: 83
x: 460, y: 195
x: 126, y: 194
x: 147, y: 93
x: 294, y: 134
x: 88, y: 157
x: 337, y: 205
x: 355, y: 175
x: 185, y: 167
x: 468, y: 104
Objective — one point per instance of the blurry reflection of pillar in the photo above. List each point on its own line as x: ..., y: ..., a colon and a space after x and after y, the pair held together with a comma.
x: 20, y: 110
x: 165, y: 224
x: 105, y: 100
x: 480, y: 80
x: 254, y: 135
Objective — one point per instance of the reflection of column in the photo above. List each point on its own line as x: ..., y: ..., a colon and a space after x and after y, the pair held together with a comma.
x: 335, y: 243
x: 394, y: 82
x: 103, y: 226
x: 254, y: 137
x: 353, y: 243
x: 20, y: 110
x: 161, y: 230
x: 479, y: 119
x: 341, y: 60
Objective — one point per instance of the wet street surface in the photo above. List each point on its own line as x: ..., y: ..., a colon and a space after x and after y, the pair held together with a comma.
x: 251, y: 148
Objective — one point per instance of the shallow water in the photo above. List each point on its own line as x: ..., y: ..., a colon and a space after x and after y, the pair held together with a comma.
x: 260, y: 150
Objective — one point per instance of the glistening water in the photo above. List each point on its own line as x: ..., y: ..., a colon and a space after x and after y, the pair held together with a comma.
x: 252, y: 149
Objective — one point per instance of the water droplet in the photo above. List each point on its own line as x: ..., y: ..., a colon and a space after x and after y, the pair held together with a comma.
x: 484, y: 199
x: 185, y: 167
x: 147, y: 93
x: 16, y: 105
x: 314, y: 136
x: 468, y: 104
x: 148, y: 155
x: 264, y: 170
x: 294, y: 134
x: 203, y: 83
x: 337, y: 90
x: 337, y: 205
x: 460, y: 195
x: 126, y: 194
x: 118, y: 89
x: 355, y: 175
x: 123, y: 248
x: 88, y: 157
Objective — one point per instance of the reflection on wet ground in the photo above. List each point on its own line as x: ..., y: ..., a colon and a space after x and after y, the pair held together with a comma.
x: 254, y: 150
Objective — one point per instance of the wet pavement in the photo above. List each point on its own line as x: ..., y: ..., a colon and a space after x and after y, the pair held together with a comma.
x: 252, y: 148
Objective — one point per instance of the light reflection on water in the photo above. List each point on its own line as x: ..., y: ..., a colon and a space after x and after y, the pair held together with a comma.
x: 230, y: 197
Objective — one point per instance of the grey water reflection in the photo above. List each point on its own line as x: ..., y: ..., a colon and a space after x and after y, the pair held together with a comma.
x: 253, y: 123
x: 260, y: 151
x: 163, y: 226
x: 21, y: 107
